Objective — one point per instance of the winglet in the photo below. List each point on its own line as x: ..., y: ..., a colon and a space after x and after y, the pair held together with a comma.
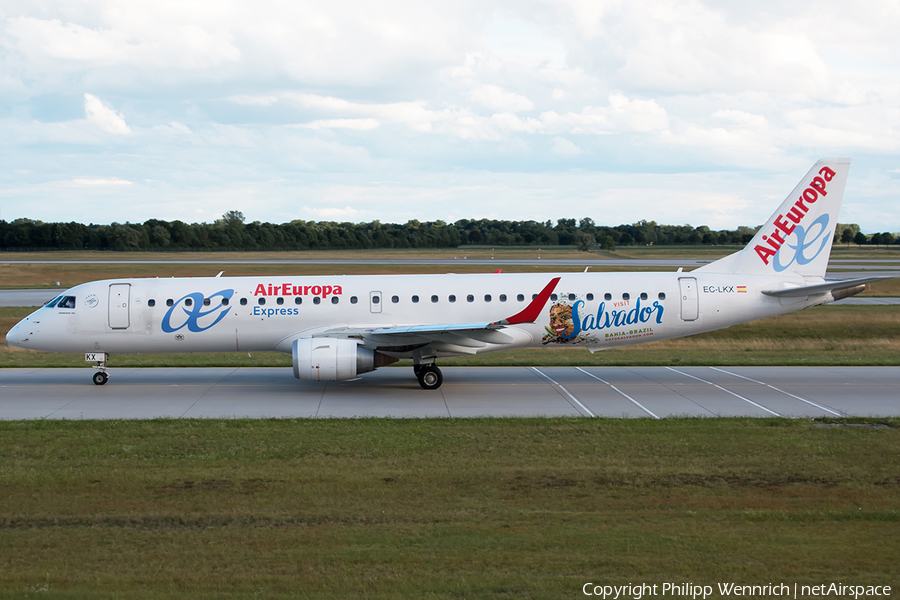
x: 530, y: 313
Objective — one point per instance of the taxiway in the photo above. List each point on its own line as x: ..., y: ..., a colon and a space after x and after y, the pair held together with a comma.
x: 649, y: 392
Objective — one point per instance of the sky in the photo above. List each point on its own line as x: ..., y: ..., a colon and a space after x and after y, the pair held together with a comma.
x: 678, y: 111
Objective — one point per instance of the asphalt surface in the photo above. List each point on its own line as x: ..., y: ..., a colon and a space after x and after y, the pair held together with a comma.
x: 650, y: 392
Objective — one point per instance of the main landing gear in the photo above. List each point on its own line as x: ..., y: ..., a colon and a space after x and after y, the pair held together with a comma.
x: 429, y: 376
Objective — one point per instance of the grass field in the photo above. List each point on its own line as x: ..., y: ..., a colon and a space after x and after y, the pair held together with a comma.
x: 826, y: 335
x: 481, y: 508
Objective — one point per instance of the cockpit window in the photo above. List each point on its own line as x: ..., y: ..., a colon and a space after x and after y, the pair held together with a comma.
x: 53, y: 302
x: 66, y: 302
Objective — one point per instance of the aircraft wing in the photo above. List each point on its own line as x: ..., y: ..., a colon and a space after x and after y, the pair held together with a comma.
x: 821, y: 288
x: 461, y: 338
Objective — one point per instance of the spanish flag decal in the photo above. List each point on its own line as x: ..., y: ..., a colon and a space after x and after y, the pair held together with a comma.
x: 742, y: 289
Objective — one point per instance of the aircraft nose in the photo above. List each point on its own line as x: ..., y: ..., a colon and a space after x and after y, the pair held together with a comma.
x: 16, y: 336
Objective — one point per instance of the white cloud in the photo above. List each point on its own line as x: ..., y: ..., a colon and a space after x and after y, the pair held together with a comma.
x: 141, y: 35
x: 103, y: 117
x: 243, y: 103
x: 497, y: 98
x: 106, y: 181
x: 249, y: 100
x: 361, y: 124
x: 174, y: 128
x: 563, y: 146
x: 620, y: 115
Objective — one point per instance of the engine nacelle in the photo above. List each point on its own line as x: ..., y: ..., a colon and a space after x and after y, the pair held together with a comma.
x: 331, y: 359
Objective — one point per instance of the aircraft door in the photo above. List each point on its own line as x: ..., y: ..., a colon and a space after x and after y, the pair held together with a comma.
x: 119, y: 305
x: 690, y: 301
x: 375, y: 302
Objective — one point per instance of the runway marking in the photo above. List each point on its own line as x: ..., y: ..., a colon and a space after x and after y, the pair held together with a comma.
x: 837, y: 414
x: 635, y: 402
x: 574, y: 399
x: 726, y: 390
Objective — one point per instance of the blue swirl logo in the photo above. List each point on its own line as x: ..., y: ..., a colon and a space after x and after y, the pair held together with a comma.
x: 805, y: 238
x: 193, y: 314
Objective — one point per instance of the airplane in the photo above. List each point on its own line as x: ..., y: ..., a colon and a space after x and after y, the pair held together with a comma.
x: 339, y: 327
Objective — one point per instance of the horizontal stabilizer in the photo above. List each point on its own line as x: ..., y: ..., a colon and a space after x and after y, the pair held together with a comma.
x: 821, y: 288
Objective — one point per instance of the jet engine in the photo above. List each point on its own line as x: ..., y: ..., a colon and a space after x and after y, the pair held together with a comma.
x: 331, y: 359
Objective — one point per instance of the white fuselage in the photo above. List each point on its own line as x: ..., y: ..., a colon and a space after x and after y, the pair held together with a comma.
x: 593, y: 310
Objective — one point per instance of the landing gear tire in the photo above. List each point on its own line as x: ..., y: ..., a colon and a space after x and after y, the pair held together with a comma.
x: 100, y: 378
x: 430, y: 377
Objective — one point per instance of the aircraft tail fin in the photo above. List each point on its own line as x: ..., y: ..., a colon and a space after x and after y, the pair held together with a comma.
x: 797, y: 238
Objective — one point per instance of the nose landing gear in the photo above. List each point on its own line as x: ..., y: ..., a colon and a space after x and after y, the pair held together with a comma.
x: 429, y: 376
x: 101, y: 376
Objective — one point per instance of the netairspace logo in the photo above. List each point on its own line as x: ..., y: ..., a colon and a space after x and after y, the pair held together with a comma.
x: 694, y: 591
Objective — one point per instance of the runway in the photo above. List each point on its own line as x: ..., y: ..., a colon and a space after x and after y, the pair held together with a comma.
x: 628, y: 392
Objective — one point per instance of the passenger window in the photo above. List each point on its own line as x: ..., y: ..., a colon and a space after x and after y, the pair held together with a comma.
x: 298, y: 300
x: 590, y: 297
x: 261, y: 301
x: 607, y: 296
x: 643, y: 295
x: 415, y: 299
x: 502, y: 297
x: 224, y: 302
x: 353, y: 299
x: 395, y: 299
x: 280, y: 301
x: 151, y: 302
x: 375, y: 299
x: 335, y: 299
x: 206, y: 301
x: 626, y: 296
x: 451, y: 298
x: 170, y: 302
x: 243, y: 302
x: 554, y: 297
x: 487, y: 297
x: 571, y: 297
x: 521, y: 297
x: 434, y: 298
x: 662, y: 295
x: 189, y: 302
x: 470, y: 298
x: 533, y: 296
x: 317, y: 300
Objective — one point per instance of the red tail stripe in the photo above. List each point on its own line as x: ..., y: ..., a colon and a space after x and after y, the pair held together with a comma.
x: 530, y: 313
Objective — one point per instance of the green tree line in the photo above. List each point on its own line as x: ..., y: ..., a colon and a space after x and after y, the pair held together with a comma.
x: 231, y: 232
